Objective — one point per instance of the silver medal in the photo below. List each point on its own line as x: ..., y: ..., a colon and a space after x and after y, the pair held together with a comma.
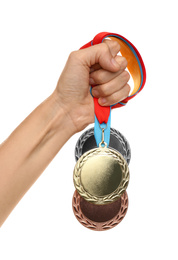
x: 118, y: 142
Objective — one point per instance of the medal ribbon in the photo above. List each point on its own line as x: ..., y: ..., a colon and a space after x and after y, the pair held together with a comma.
x: 137, y: 70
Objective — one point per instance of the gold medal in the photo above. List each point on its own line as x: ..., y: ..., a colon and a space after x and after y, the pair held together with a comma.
x: 101, y: 175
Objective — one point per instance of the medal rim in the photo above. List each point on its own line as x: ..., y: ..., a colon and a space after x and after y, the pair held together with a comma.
x: 117, y: 193
x: 120, y: 137
x: 99, y: 226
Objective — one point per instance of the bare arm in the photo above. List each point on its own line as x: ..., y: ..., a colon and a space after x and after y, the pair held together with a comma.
x: 34, y: 143
x: 29, y: 149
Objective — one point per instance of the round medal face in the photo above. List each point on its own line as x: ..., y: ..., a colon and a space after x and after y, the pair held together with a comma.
x: 118, y: 142
x: 101, y: 175
x: 99, y: 217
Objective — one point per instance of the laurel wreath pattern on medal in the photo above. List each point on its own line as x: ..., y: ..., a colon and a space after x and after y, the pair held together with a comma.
x: 99, y: 226
x: 107, y: 198
x: 81, y: 141
x: 114, y: 132
x: 124, y: 142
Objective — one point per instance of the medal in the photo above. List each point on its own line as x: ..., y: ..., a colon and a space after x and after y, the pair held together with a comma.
x: 101, y: 174
x: 99, y: 217
x: 117, y: 141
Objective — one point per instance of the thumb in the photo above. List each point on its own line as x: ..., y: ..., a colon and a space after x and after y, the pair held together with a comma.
x: 103, y: 54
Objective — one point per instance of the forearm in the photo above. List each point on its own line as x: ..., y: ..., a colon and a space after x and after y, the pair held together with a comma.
x: 29, y: 149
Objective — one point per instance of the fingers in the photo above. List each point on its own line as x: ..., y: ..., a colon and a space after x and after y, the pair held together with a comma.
x: 113, y: 47
x: 101, y: 76
x: 107, y: 90
x: 103, y: 54
x: 115, y: 97
x: 95, y: 67
x: 106, y: 71
x: 110, y: 87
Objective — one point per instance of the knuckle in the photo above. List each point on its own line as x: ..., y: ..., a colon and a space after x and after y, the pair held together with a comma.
x: 105, y: 47
x: 124, y: 62
x: 103, y: 90
x: 127, y: 89
x: 126, y: 75
x: 73, y: 55
x: 76, y: 57
x: 98, y: 76
x: 113, y: 99
x: 115, y: 44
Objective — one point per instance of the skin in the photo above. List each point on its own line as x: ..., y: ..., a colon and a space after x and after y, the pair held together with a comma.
x: 29, y: 149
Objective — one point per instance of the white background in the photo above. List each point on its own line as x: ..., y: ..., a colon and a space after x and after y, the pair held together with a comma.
x: 36, y: 38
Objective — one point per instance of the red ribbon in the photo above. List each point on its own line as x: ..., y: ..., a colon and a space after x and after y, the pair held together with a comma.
x: 102, y: 112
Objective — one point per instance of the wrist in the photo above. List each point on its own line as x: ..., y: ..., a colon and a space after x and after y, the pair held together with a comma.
x: 78, y: 115
x: 62, y: 120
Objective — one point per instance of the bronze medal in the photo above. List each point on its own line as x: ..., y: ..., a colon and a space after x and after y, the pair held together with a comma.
x: 99, y: 217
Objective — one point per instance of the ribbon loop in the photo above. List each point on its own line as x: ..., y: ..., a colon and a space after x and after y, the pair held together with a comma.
x: 137, y: 70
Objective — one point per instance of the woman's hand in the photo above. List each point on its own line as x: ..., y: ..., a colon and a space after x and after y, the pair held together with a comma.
x: 99, y: 66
